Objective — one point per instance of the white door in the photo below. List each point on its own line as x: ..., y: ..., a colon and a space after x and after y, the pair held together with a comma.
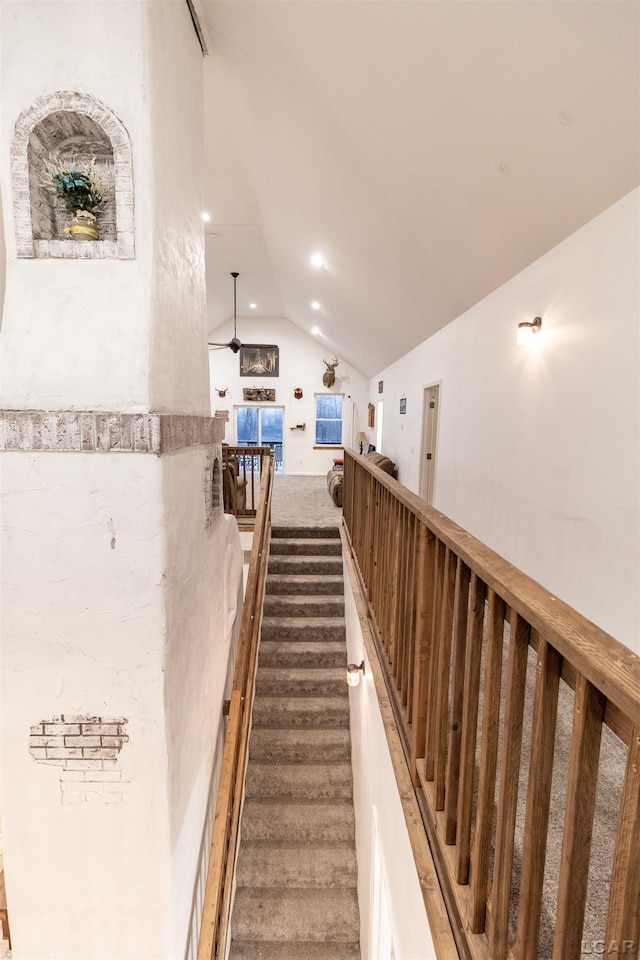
x: 429, y: 440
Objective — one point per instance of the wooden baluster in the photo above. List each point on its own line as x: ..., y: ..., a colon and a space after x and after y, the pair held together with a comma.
x: 475, y: 622
x: 488, y: 763
x: 395, y: 587
x: 250, y: 505
x: 388, y: 572
x: 538, y: 801
x: 369, y: 528
x: 401, y: 610
x: 434, y: 679
x: 425, y: 582
x: 578, y: 820
x: 372, y: 521
x: 509, y: 776
x: 623, y: 916
x: 404, y: 613
x: 461, y: 607
x: 444, y: 671
x: 410, y: 616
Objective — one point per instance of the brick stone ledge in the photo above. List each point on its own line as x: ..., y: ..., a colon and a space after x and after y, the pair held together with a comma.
x: 61, y: 431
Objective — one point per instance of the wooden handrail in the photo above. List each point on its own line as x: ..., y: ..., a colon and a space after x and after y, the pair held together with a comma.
x: 445, y: 610
x: 216, y: 908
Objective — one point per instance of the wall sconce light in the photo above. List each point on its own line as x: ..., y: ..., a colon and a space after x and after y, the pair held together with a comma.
x: 527, y: 329
x: 362, y: 439
x: 353, y: 673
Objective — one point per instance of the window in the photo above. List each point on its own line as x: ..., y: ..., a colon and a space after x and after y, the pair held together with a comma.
x: 329, y: 419
x: 261, y: 427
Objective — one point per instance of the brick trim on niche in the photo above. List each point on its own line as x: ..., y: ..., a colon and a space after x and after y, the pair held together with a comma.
x: 80, y: 103
x: 212, y: 484
x: 87, y: 749
x: 60, y: 431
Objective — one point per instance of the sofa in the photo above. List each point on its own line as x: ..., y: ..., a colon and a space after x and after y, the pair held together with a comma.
x: 335, y: 477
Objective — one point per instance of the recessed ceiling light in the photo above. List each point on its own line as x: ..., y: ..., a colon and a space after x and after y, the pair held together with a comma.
x: 205, y: 216
x: 315, y: 304
x: 317, y: 260
x: 252, y: 306
x: 315, y: 330
x: 213, y: 236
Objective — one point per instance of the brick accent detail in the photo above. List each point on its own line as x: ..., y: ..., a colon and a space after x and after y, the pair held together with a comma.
x: 55, y: 116
x: 212, y: 484
x: 61, y: 431
x: 86, y: 748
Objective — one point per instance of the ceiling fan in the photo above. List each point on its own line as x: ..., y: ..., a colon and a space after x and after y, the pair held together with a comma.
x: 234, y: 344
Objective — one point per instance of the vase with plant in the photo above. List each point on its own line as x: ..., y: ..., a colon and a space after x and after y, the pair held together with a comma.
x: 83, y: 190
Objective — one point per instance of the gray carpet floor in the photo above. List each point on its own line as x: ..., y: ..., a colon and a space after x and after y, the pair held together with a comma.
x: 303, y: 502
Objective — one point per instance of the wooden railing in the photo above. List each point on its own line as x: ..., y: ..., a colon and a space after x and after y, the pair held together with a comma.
x: 241, y: 472
x: 476, y: 653
x: 216, y: 909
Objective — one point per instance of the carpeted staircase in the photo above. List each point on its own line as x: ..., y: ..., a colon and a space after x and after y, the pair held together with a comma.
x: 296, y: 895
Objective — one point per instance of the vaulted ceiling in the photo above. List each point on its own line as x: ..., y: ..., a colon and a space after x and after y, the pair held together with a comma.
x: 429, y: 149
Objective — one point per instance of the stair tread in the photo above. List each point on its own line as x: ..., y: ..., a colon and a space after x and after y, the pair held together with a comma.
x: 309, y: 584
x: 297, y: 866
x: 309, y: 711
x: 317, y: 914
x: 304, y: 598
x: 301, y: 950
x: 293, y: 559
x: 336, y: 578
x: 304, y: 781
x: 301, y: 682
x: 303, y: 623
x: 300, y: 602
x: 301, y: 653
x: 311, y: 531
x: 295, y: 821
x: 325, y: 744
x: 300, y: 673
x: 305, y: 547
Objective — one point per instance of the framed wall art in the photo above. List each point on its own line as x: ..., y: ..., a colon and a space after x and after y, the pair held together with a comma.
x: 259, y: 360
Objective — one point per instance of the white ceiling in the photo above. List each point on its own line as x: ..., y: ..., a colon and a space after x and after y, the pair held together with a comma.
x: 430, y: 149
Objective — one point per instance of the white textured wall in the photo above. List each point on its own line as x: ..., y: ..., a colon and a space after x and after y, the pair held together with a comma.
x: 179, y: 370
x: 203, y: 593
x: 76, y: 333
x: 538, y: 451
x: 82, y: 633
x: 114, y: 597
x: 3, y: 257
x: 301, y: 365
x: 374, y: 786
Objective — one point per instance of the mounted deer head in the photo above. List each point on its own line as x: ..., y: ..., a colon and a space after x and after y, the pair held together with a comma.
x: 222, y: 393
x: 329, y: 376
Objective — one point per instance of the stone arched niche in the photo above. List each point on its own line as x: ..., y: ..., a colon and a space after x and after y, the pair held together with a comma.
x: 72, y: 126
x: 212, y: 485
